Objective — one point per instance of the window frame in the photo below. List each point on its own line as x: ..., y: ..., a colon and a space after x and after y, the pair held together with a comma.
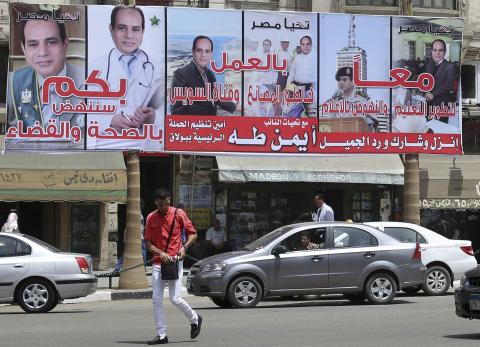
x: 374, y: 242
x: 394, y: 3
x: 476, y: 66
x: 298, y: 235
x: 417, y: 234
x: 17, y: 243
x: 421, y: 4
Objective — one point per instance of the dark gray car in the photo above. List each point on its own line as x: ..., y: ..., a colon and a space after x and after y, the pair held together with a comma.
x: 310, y: 258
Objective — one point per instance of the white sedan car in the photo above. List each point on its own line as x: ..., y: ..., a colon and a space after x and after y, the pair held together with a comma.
x: 446, y: 259
x: 38, y: 276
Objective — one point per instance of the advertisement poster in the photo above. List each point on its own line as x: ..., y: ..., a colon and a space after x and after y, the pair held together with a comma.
x: 166, y: 79
x: 127, y: 49
x: 47, y: 46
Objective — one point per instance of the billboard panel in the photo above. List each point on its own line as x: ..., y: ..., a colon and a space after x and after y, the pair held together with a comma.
x: 220, y: 81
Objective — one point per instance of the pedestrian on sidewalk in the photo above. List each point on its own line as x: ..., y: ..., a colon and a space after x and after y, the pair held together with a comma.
x: 323, y: 213
x: 163, y: 230
x: 11, y: 225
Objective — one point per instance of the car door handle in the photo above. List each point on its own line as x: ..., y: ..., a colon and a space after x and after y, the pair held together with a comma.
x: 317, y: 258
x: 18, y: 265
x: 369, y: 254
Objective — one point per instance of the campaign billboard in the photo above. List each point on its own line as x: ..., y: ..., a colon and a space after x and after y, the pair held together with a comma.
x: 170, y: 79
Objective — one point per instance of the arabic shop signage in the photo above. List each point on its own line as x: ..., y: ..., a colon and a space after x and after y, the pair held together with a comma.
x: 262, y: 86
x: 63, y: 179
x: 450, y: 203
x: 295, y: 176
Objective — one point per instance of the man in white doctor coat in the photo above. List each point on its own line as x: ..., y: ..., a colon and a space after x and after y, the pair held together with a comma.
x: 144, y: 96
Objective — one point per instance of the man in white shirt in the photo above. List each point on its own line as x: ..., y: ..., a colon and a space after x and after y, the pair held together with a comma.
x: 216, y: 238
x: 324, y: 212
x: 303, y: 71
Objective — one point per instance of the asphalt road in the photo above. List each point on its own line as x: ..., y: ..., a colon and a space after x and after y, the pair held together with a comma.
x: 330, y: 321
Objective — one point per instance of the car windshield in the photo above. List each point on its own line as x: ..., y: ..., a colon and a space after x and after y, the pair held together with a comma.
x: 266, y: 239
x: 41, y: 243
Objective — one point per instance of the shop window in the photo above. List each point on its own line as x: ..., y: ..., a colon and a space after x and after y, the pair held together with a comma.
x: 248, y: 217
x: 85, y: 229
x: 360, y: 205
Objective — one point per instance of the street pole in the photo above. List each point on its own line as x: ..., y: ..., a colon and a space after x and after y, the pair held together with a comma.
x: 132, y: 255
x: 411, y: 188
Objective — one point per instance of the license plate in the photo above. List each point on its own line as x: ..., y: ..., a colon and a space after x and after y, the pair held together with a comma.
x: 475, y: 302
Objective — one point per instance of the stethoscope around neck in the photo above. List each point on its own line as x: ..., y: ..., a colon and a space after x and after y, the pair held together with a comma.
x: 144, y: 67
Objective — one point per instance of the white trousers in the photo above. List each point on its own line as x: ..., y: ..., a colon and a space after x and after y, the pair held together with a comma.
x: 175, y: 294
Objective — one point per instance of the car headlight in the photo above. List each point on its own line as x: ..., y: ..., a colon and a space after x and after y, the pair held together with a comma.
x: 464, y: 281
x: 218, y: 266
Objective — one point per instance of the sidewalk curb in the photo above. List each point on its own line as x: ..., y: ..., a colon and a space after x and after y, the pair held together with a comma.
x: 119, y: 294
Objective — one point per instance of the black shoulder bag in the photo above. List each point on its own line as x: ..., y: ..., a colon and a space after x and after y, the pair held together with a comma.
x: 170, y: 271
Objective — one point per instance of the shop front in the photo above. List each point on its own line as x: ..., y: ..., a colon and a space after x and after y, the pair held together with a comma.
x: 254, y: 195
x: 450, y: 196
x: 68, y: 200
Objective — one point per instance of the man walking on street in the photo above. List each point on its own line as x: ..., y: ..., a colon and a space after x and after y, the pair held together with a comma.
x: 165, y: 249
x: 324, y: 212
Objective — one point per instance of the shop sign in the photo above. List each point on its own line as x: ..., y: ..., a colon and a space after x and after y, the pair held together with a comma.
x: 201, y: 217
x: 450, y: 203
x: 63, y: 179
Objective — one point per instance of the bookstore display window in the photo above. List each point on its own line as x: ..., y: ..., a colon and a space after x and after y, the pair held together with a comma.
x: 85, y: 229
x: 361, y: 206
x: 248, y: 217
x: 253, y: 214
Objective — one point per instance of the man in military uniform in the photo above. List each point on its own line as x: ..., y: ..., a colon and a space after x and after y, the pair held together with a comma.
x: 353, y: 96
x: 45, y: 45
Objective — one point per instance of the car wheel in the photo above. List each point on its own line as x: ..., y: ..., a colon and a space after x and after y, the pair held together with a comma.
x: 36, y: 296
x: 221, y: 302
x: 437, y: 282
x: 380, y: 289
x: 355, y: 298
x: 412, y: 290
x: 244, y: 292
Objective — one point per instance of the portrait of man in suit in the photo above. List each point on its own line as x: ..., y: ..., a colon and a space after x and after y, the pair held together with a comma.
x: 444, y: 73
x: 196, y: 74
x: 45, y: 45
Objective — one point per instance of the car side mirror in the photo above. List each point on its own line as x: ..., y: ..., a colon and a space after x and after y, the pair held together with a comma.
x: 280, y: 249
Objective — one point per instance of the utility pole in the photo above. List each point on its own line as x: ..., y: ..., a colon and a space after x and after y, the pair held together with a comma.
x: 132, y: 255
x: 411, y: 187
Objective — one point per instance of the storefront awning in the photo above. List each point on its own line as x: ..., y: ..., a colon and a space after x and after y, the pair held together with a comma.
x: 63, y: 177
x: 450, y: 181
x: 373, y: 169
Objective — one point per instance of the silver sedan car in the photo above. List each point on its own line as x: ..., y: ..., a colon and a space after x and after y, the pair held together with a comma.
x: 38, y: 276
x: 355, y: 260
